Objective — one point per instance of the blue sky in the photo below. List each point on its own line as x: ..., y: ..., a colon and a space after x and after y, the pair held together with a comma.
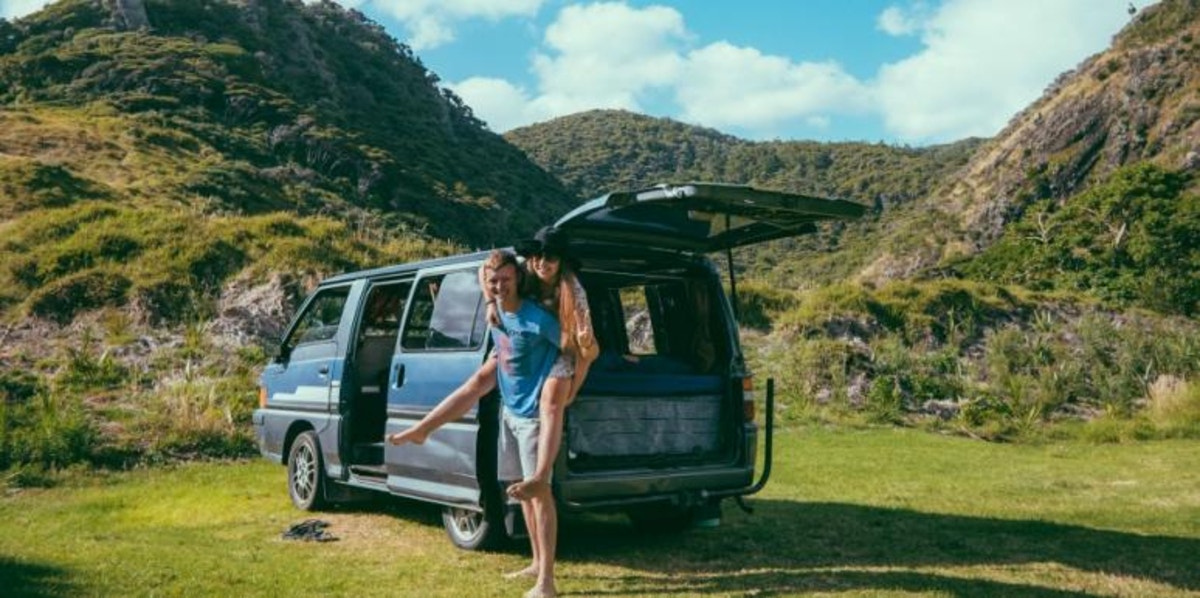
x: 902, y: 72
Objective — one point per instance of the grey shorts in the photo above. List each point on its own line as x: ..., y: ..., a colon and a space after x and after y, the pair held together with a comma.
x: 518, y: 450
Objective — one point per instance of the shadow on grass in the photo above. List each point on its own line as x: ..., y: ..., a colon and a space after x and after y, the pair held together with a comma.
x: 788, y: 547
x: 31, y: 580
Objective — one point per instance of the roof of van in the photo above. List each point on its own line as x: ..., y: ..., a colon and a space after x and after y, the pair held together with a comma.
x: 408, y: 267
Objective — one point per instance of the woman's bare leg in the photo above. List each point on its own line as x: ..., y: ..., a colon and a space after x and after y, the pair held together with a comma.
x: 551, y: 412
x: 454, y: 406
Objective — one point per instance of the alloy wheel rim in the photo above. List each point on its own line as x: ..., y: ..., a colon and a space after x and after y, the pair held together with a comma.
x: 305, y: 474
x: 466, y: 522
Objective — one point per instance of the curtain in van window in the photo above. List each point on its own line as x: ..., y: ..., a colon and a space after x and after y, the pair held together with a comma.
x: 446, y: 313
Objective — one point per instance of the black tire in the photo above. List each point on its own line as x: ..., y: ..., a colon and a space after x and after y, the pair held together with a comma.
x: 306, y: 473
x: 661, y: 518
x: 472, y: 530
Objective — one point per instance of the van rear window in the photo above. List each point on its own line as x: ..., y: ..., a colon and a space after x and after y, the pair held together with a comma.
x: 667, y: 321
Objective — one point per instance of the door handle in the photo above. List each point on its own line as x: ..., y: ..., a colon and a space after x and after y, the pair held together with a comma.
x: 324, y: 371
x: 398, y: 375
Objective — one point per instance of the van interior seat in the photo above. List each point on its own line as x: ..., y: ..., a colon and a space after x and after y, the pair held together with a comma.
x: 374, y: 358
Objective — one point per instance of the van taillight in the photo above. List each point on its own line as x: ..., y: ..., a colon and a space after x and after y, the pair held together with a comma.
x: 262, y: 397
x: 748, y: 409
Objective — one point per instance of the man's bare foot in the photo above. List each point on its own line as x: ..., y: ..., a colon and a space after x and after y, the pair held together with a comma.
x: 412, y: 435
x: 529, y: 571
x: 526, y: 490
x: 541, y: 592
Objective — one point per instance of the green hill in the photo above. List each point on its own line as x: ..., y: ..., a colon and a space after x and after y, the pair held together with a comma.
x: 153, y: 165
x: 604, y: 150
x: 1136, y: 103
x: 1044, y: 275
x: 176, y: 174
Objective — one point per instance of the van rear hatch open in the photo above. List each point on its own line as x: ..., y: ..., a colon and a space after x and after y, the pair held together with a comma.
x: 701, y: 218
x: 659, y: 395
x: 666, y: 393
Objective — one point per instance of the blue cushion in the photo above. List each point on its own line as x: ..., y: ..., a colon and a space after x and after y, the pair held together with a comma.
x: 650, y: 375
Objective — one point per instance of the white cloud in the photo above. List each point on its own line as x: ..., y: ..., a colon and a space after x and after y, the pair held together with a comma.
x: 898, y: 21
x: 501, y: 104
x: 980, y: 62
x: 430, y: 23
x: 607, y: 56
x: 12, y: 9
x: 983, y: 61
x: 428, y: 32
x: 730, y: 86
x: 611, y: 55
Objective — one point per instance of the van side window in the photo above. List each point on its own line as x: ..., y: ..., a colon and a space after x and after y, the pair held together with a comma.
x: 384, y: 306
x: 445, y: 313
x: 320, y: 321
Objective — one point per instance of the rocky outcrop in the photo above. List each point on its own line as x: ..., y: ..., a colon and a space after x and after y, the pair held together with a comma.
x: 1134, y: 102
x: 130, y: 14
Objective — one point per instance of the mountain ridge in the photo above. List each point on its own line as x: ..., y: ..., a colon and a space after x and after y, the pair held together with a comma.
x: 232, y: 112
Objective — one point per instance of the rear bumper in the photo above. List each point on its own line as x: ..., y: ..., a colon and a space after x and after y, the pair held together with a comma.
x: 678, y: 486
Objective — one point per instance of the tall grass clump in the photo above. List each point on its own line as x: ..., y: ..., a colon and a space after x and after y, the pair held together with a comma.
x: 39, y: 428
x: 1173, y: 406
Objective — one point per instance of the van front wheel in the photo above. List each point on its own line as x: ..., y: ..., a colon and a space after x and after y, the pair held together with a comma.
x: 306, y: 473
x: 471, y: 530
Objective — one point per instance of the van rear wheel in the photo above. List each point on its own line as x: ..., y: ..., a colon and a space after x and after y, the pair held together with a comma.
x: 472, y: 530
x: 306, y: 473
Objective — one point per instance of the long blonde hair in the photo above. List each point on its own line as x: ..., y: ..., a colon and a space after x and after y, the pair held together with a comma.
x: 561, y: 302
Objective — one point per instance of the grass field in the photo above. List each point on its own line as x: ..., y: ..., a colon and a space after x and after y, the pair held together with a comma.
x: 886, y: 512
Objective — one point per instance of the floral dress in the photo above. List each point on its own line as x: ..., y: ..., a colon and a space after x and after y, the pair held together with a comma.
x: 564, y: 366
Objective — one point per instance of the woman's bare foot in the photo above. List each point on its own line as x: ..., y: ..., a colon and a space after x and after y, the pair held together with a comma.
x: 541, y: 592
x: 530, y: 571
x: 526, y: 489
x: 413, y: 435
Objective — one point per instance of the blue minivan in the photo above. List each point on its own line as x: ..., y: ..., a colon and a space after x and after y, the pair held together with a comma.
x: 663, y: 429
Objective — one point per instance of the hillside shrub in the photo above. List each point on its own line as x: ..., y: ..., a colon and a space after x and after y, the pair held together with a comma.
x: 1174, y: 405
x: 27, y: 185
x: 61, y: 299
x: 19, y: 386
x: 1130, y: 241
x: 1010, y: 364
x: 47, y: 432
x: 760, y: 304
x: 83, y: 371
